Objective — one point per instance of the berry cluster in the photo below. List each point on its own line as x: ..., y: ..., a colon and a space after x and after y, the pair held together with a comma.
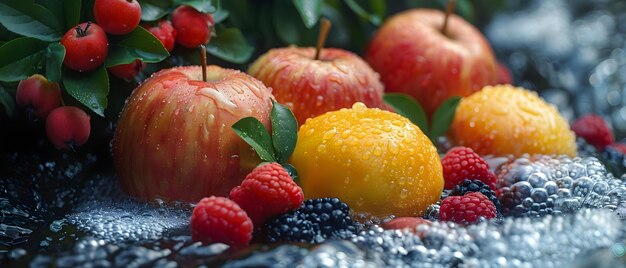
x: 473, y: 187
x: 315, y: 221
x: 266, y: 192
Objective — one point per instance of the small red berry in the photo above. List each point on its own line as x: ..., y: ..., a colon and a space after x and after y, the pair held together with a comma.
x: 86, y: 47
x: 165, y: 32
x: 266, y: 192
x: 462, y: 163
x: 39, y: 95
x: 193, y: 28
x: 220, y: 220
x: 594, y: 130
x: 117, y: 16
x: 466, y: 209
x: 67, y: 127
x: 127, y: 71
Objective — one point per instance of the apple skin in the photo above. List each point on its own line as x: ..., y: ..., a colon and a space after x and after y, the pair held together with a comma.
x: 412, y: 56
x: 312, y: 87
x: 193, y: 28
x: 67, y: 127
x: 174, y: 138
x: 127, y: 71
x: 38, y: 95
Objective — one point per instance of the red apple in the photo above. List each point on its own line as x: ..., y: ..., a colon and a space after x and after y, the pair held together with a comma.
x: 193, y: 28
x: 312, y: 87
x: 68, y: 127
x: 38, y: 95
x: 504, y: 74
x: 174, y: 138
x: 414, y: 57
x: 86, y: 47
x: 117, y: 16
x: 165, y: 32
x: 127, y: 71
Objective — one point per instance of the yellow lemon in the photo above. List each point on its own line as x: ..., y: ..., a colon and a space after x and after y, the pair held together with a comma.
x: 502, y: 120
x: 376, y: 161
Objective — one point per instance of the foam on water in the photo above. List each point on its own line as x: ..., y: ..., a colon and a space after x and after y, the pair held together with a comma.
x: 109, y: 214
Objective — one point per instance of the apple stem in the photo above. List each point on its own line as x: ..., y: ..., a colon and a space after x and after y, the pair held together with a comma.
x: 81, y: 32
x: 321, y: 38
x: 449, y: 9
x: 203, y: 59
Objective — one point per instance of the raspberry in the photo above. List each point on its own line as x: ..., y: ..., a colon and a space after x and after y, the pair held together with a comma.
x: 469, y: 186
x: 462, y: 163
x: 220, y: 220
x: 266, y: 192
x: 594, y: 130
x: 315, y: 221
x: 466, y: 209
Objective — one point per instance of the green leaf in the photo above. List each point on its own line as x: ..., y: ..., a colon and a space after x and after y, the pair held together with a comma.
x: 203, y: 6
x: 89, y: 88
x: 409, y: 108
x: 72, y: 12
x: 443, y: 116
x: 139, y: 44
x: 292, y: 171
x: 359, y: 11
x: 379, y: 7
x: 289, y: 27
x: 309, y: 10
x: 284, y: 131
x: 152, y: 10
x: 7, y: 101
x: 29, y: 19
x: 254, y: 133
x: 21, y: 58
x: 55, y: 7
x: 220, y: 15
x: 54, y: 60
x: 230, y: 45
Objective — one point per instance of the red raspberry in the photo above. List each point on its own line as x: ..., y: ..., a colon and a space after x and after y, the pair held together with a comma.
x: 220, y: 220
x: 594, y: 130
x: 462, y: 163
x: 466, y: 209
x: 266, y: 192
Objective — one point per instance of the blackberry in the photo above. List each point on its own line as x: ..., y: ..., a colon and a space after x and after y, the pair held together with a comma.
x: 468, y: 186
x: 612, y: 158
x: 315, y: 221
x: 614, y: 161
x: 292, y: 226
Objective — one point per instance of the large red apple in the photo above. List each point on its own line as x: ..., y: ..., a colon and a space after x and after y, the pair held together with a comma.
x: 174, y: 138
x: 312, y: 87
x: 413, y: 56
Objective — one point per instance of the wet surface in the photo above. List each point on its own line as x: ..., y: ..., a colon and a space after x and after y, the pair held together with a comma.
x: 66, y: 209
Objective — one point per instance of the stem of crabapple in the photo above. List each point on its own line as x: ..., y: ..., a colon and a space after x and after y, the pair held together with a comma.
x: 81, y: 32
x: 321, y: 38
x: 203, y: 60
x: 449, y: 9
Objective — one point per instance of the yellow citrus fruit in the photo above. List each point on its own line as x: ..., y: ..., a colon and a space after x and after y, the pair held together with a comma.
x: 503, y: 120
x: 376, y: 161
